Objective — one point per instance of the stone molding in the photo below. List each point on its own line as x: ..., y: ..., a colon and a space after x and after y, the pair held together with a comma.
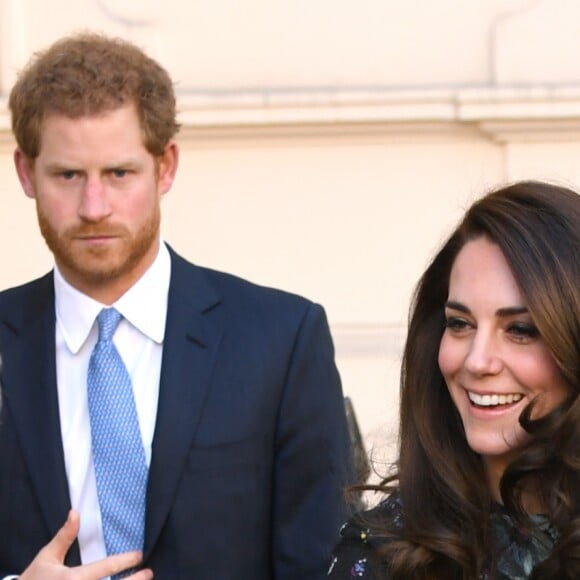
x: 374, y: 340
x: 500, y: 114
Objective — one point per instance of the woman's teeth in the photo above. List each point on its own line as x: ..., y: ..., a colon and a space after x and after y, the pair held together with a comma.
x: 493, y: 400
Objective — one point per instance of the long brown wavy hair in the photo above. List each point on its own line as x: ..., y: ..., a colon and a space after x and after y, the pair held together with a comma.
x: 441, y: 481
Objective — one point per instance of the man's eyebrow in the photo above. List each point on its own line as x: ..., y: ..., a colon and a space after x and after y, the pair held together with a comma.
x: 57, y: 166
x: 128, y: 162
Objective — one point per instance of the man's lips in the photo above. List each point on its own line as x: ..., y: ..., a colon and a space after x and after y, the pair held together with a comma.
x: 95, y: 235
x: 96, y: 239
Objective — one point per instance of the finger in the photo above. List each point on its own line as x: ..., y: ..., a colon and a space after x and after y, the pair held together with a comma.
x: 109, y: 566
x: 59, y: 545
x: 141, y: 575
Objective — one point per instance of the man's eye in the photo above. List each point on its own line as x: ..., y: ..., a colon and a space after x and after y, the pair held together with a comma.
x: 68, y: 175
x: 119, y: 173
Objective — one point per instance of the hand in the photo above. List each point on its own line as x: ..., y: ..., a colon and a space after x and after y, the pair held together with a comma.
x: 49, y: 562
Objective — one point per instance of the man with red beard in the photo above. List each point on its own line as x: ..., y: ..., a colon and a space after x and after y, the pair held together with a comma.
x: 227, y: 456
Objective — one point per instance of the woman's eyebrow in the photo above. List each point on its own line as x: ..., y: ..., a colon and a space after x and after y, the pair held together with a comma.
x: 500, y: 312
x: 511, y: 311
x: 457, y: 306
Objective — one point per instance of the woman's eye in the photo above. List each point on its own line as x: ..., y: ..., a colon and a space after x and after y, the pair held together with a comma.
x: 523, y: 331
x: 456, y: 324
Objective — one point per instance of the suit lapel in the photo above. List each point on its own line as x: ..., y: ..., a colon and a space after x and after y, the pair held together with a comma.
x: 29, y: 385
x: 191, y: 341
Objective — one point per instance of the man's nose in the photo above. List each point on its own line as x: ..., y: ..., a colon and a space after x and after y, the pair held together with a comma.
x: 94, y: 204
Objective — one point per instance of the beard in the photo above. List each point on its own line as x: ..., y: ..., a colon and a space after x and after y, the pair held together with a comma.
x: 100, y: 265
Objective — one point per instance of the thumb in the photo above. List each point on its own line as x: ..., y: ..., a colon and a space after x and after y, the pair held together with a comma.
x: 59, y: 545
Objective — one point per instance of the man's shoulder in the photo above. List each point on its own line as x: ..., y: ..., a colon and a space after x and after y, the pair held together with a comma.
x: 232, y: 283
x: 32, y: 290
x: 236, y: 289
x: 26, y: 302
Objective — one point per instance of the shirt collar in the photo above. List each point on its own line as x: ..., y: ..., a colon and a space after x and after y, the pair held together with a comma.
x: 144, y: 305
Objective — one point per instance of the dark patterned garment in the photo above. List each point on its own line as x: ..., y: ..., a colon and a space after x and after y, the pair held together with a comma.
x: 518, y: 551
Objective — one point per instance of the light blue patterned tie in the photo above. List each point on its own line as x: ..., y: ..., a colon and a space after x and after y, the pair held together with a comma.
x: 118, y: 454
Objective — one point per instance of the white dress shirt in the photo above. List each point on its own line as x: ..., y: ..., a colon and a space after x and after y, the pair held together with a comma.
x: 139, y: 340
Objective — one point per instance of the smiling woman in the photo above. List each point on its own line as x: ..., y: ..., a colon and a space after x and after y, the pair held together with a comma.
x: 492, y: 357
x: 487, y: 485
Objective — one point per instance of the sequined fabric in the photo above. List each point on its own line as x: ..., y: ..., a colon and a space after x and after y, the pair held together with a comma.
x: 517, y: 551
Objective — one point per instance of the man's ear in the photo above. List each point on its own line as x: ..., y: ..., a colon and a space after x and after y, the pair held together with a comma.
x: 168, y: 167
x: 25, y: 170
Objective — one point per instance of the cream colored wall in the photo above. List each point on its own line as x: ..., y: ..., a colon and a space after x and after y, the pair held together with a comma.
x: 328, y: 146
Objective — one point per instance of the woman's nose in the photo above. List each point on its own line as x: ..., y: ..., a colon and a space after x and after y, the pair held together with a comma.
x: 484, y: 355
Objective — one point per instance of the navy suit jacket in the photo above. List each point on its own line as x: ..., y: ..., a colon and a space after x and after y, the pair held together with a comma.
x: 250, y: 451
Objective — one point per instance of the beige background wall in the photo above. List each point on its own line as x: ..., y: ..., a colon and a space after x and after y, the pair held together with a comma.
x: 329, y: 145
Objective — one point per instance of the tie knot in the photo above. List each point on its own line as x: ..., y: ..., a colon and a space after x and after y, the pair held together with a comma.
x: 108, y: 320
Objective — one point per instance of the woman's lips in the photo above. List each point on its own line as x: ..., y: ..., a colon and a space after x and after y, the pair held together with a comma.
x: 493, y: 400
